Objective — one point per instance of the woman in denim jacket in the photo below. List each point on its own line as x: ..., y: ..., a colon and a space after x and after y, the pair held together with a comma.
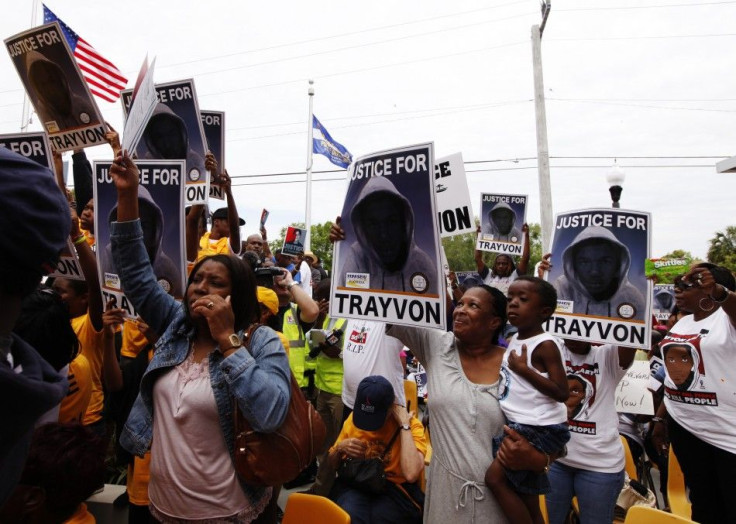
x: 198, y: 368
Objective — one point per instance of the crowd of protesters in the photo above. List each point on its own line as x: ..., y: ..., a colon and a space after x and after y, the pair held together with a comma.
x: 77, y: 376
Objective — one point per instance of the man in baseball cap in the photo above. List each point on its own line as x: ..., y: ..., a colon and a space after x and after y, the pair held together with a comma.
x: 373, y: 403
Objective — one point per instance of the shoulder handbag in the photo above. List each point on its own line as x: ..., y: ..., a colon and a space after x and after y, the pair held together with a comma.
x: 270, y: 459
x: 366, y: 474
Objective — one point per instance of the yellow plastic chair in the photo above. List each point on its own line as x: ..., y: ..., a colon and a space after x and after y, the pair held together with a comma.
x: 312, y: 509
x: 630, y: 464
x: 410, y: 390
x: 647, y: 515
x: 679, y: 504
x: 543, y: 508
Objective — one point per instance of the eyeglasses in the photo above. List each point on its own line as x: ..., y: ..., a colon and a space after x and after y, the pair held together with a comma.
x: 683, y: 286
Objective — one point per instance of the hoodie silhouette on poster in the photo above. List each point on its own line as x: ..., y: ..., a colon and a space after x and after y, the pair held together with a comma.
x: 383, y: 221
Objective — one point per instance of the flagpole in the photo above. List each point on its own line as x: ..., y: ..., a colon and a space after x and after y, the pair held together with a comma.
x: 310, y: 134
x: 26, y: 106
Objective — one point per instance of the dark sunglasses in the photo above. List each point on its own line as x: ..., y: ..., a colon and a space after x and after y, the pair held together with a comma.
x: 683, y: 286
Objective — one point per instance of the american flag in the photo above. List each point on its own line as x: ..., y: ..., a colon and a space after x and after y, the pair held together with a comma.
x: 103, y: 78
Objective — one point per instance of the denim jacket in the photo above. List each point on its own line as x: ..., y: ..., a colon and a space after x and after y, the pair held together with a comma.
x: 259, y: 380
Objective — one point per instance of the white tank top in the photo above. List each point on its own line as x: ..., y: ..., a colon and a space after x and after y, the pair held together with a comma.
x: 520, y: 401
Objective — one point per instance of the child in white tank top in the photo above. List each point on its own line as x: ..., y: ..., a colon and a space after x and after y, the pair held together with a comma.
x: 532, y: 391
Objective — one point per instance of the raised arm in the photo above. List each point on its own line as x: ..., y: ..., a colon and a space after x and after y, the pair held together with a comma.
x: 308, y: 308
x: 88, y: 263
x: 156, y: 306
x: 232, y: 213
x: 480, y: 266
x: 719, y: 293
x: 523, y: 265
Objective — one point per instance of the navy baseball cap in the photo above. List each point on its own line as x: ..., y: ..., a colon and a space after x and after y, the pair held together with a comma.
x: 373, y: 401
x: 34, y: 218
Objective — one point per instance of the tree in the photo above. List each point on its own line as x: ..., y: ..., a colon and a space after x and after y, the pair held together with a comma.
x: 319, y: 240
x: 722, y: 250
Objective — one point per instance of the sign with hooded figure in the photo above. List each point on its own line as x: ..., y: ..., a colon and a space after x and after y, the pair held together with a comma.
x: 161, y: 208
x: 501, y: 220
x: 213, y: 124
x: 388, y: 266
x: 663, y: 301
x: 603, y: 295
x: 56, y: 89
x: 174, y: 132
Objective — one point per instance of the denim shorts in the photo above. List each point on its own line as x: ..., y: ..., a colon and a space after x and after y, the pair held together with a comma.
x: 547, y: 439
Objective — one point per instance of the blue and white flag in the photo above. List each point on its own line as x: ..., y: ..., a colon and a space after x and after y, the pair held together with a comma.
x: 323, y: 144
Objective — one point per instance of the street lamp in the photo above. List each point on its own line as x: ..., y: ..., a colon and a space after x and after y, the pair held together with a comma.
x: 615, y: 178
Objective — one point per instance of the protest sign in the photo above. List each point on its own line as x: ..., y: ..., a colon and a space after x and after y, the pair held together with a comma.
x: 213, y: 124
x: 161, y: 208
x: 264, y: 217
x: 501, y: 220
x: 294, y: 241
x: 663, y: 301
x: 34, y: 146
x: 632, y: 393
x: 144, y: 102
x: 453, y: 199
x: 388, y: 266
x: 56, y: 89
x: 68, y: 265
x: 597, y: 269
x: 174, y: 132
x: 468, y: 278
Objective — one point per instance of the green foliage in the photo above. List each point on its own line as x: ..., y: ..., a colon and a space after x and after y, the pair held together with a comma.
x: 319, y: 241
x: 722, y: 250
x: 459, y: 251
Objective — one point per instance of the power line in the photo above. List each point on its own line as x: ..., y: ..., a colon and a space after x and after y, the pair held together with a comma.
x: 352, y: 33
x: 642, y: 37
x: 619, y: 8
x: 643, y: 106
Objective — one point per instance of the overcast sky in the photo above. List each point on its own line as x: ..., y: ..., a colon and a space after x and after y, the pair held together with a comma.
x: 626, y: 80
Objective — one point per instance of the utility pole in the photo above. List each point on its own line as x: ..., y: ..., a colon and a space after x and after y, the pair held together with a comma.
x: 545, y: 187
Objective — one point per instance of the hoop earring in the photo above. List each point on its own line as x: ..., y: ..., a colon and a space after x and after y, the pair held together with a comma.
x: 706, y: 310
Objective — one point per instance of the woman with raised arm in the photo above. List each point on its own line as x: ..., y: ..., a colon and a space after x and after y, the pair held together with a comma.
x: 184, y: 412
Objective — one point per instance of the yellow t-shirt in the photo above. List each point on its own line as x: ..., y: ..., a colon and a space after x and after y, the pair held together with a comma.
x: 377, y: 441
x: 284, y: 341
x: 133, y: 339
x: 208, y: 247
x: 74, y: 405
x: 81, y: 516
x: 90, y: 345
x: 90, y: 237
x: 139, y: 474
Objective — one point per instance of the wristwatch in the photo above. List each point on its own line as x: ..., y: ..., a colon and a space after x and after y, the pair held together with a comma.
x: 289, y: 286
x: 235, y: 342
x: 406, y: 426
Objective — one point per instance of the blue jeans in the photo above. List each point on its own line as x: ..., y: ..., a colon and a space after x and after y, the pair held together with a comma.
x: 596, y: 493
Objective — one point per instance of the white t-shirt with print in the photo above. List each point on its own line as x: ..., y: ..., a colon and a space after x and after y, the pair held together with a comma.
x: 700, y: 385
x: 594, y: 443
x: 367, y: 351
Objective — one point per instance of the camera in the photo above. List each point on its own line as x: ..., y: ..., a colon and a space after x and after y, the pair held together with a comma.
x: 264, y: 276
